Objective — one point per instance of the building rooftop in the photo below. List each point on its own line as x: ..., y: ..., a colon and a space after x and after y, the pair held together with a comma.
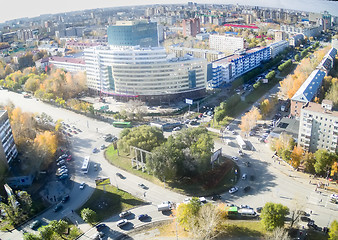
x: 237, y: 56
x: 288, y: 125
x: 67, y: 59
x: 309, y: 88
x: 315, y: 107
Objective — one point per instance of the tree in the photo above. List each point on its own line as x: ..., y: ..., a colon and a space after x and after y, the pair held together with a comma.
x: 271, y: 75
x: 324, y: 160
x: 249, y: 120
x: 59, y: 227
x: 297, y: 58
x: 88, y: 215
x: 186, y: 213
x: 46, y: 232
x: 219, y: 115
x: 332, y: 94
x: 279, y: 233
x: 333, y: 233
x: 31, y: 236
x: 25, y: 201
x: 144, y: 137
x: 296, y: 156
x: 46, y: 144
x: 308, y: 161
x: 273, y: 215
x: 265, y: 107
x: 26, y: 61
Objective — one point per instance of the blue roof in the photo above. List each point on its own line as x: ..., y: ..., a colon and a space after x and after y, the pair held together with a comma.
x: 309, y: 88
x: 332, y: 53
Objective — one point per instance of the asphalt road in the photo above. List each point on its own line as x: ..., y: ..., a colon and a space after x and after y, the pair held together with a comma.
x: 273, y: 181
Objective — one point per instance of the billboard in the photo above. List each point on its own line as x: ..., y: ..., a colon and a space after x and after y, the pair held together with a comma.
x: 189, y: 101
x: 102, y: 181
x: 215, y: 155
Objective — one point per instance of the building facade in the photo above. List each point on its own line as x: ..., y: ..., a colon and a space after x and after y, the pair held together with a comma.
x: 306, y: 31
x: 191, y: 27
x: 318, y: 128
x: 280, y: 36
x: 210, y: 55
x: 296, y: 39
x: 278, y: 47
x: 227, y: 69
x: 144, y: 73
x: 133, y: 33
x: 226, y: 43
x: 8, y: 149
x: 68, y: 64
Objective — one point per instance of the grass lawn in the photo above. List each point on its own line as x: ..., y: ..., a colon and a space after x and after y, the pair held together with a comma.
x: 241, y: 229
x: 107, y: 201
x: 183, y: 186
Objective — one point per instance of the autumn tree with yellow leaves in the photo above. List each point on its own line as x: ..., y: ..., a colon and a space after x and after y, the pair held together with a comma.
x: 249, y: 120
x: 46, y: 144
x: 296, y: 156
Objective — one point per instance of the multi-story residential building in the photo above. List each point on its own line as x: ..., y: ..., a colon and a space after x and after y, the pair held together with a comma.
x: 334, y: 43
x: 227, y: 69
x: 318, y: 128
x: 280, y: 36
x: 306, y: 31
x: 144, y: 73
x: 79, y: 46
x: 191, y: 27
x: 226, y: 43
x: 278, y: 47
x: 328, y: 60
x: 210, y: 55
x: 132, y: 33
x: 8, y: 149
x: 295, y: 39
x: 67, y: 63
x: 69, y: 32
x: 307, y: 92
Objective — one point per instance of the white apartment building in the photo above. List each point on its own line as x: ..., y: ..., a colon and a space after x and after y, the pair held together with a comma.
x: 226, y: 43
x: 318, y: 127
x: 278, y: 47
x: 310, y: 31
x: 144, y: 73
x: 8, y: 149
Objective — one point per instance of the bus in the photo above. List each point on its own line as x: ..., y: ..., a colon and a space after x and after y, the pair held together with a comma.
x: 85, y: 165
x: 122, y: 124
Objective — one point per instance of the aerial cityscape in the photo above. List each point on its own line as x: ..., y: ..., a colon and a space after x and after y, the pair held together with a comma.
x: 180, y: 120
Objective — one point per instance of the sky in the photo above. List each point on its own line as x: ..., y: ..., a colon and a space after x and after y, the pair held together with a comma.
x: 13, y: 9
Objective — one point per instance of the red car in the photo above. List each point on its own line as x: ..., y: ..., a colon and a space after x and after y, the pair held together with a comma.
x: 69, y: 158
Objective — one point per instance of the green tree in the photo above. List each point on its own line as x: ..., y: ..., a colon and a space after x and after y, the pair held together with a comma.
x: 46, y: 232
x: 273, y: 215
x: 324, y: 160
x: 59, y: 227
x: 297, y: 58
x: 219, y: 115
x: 88, y: 215
x: 25, y: 201
x: 31, y: 236
x: 144, y: 137
x: 186, y: 213
x: 271, y: 75
x: 308, y: 161
x: 26, y: 61
x: 333, y: 233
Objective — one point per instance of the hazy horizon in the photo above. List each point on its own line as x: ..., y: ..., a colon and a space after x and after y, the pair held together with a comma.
x: 16, y: 9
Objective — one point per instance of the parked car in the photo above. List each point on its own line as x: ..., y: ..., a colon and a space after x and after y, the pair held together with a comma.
x: 259, y: 209
x: 233, y: 190
x: 235, y: 158
x: 216, y: 197
x: 124, y: 214
x: 69, y: 158
x: 100, y: 226
x: 58, y: 207
x: 65, y: 198
x: 62, y: 162
x: 103, y: 147
x: 35, y: 224
x: 244, y: 176
x: 96, y: 150
x: 122, y: 222
x: 143, y: 217
x: 176, y: 129
x: 63, y: 176
x: 82, y: 185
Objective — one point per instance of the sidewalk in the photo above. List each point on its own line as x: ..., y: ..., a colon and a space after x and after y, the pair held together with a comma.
x: 78, y: 221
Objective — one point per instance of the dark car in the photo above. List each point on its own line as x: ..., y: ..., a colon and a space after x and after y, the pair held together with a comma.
x: 101, y: 226
x: 35, y: 224
x: 141, y: 185
x: 216, y: 197
x: 120, y: 175
x: 259, y: 209
x: 65, y: 199
x: 143, y: 217
x: 58, y: 207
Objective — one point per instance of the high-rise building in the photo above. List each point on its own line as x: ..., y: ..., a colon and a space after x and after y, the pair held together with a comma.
x: 280, y: 36
x: 144, y: 73
x: 278, y: 47
x: 226, y: 43
x: 318, y: 128
x: 191, y: 27
x: 8, y: 149
x: 133, y: 33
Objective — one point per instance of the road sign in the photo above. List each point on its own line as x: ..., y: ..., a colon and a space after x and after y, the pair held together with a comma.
x: 102, y: 181
x: 189, y: 101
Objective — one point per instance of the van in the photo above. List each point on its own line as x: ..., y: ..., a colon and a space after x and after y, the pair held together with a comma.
x: 244, y: 176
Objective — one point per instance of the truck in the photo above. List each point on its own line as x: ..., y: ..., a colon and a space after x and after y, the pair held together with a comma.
x: 165, y: 206
x: 240, y: 142
x: 244, y: 212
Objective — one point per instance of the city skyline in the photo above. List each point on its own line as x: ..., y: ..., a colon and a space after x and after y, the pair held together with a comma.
x: 14, y: 12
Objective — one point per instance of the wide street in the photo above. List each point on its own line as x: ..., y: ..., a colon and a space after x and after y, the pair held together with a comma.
x: 272, y: 181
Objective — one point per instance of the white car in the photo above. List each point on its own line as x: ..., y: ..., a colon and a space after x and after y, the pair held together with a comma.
x: 82, y: 185
x: 244, y: 176
x: 235, y: 158
x: 124, y: 214
x: 233, y: 190
x: 122, y: 222
x: 187, y: 200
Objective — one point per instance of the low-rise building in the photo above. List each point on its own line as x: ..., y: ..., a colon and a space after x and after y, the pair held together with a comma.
x: 66, y: 63
x: 318, y: 128
x: 210, y: 55
x: 295, y: 39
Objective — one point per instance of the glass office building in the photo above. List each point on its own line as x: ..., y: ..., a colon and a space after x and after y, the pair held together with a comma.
x: 133, y: 33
